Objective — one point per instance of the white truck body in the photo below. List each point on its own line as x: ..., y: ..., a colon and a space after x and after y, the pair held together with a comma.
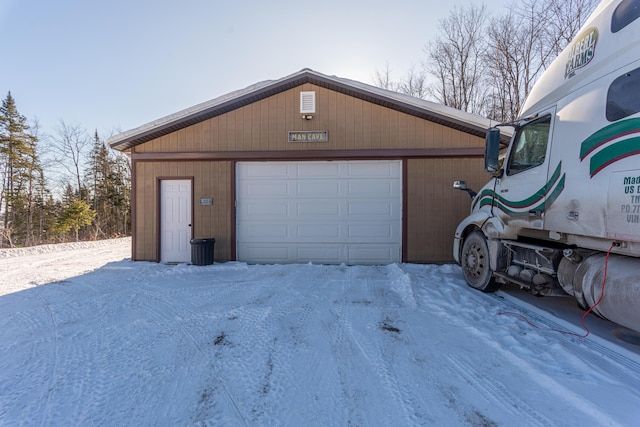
x: 568, y: 190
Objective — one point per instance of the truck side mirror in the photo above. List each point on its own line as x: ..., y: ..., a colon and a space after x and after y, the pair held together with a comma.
x: 492, y: 150
x: 461, y: 185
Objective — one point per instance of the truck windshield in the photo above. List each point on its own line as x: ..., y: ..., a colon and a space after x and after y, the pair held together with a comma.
x: 530, y: 146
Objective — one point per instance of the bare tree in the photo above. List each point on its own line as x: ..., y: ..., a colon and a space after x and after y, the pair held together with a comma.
x: 566, y: 18
x: 414, y: 83
x: 383, y: 79
x: 456, y: 59
x: 490, y: 69
x: 71, y: 146
x: 523, y: 43
x: 509, y: 56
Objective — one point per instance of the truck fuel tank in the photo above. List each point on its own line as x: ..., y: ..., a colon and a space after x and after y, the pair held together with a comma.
x: 583, y: 278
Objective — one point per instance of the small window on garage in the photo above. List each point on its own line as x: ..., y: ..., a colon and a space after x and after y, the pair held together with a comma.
x: 622, y: 97
x: 626, y: 12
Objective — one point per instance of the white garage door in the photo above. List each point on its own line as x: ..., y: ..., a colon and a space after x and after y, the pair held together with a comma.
x: 323, y: 212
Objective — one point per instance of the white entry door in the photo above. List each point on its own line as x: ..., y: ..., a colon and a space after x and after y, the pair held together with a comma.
x: 328, y: 212
x: 175, y: 220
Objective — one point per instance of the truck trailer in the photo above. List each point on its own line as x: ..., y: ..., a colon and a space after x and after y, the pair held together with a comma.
x: 561, y: 212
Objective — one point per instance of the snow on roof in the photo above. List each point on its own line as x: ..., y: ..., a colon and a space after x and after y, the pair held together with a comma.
x: 427, y: 109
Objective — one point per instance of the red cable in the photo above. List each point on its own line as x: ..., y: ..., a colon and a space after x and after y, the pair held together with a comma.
x: 584, y: 326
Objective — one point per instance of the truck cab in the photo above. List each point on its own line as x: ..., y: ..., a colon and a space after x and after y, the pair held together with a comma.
x: 563, y: 196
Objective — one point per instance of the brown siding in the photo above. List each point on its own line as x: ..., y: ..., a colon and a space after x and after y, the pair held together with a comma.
x: 352, y: 124
x: 210, y: 180
x: 434, y: 208
x: 145, y: 217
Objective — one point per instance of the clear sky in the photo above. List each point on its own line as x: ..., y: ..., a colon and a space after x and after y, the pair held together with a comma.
x: 117, y: 64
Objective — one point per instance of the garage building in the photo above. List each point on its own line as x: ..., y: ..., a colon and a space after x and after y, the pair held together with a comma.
x: 307, y: 168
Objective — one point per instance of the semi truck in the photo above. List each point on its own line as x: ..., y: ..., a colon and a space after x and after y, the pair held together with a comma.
x: 560, y: 214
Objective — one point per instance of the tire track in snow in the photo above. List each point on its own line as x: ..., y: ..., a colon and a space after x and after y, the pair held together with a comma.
x: 171, y: 308
x: 102, y: 380
x: 301, y: 363
x: 357, y: 310
x: 380, y: 352
x: 397, y: 349
x: 516, y: 354
x: 59, y: 351
x: 344, y: 356
x: 586, y: 349
x: 75, y: 388
x: 495, y: 392
x: 31, y: 349
x: 280, y: 318
x: 246, y: 336
x: 162, y: 311
x: 445, y: 366
x: 54, y: 369
x: 417, y: 396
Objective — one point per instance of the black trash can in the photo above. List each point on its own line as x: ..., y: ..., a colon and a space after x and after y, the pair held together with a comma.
x: 202, y: 251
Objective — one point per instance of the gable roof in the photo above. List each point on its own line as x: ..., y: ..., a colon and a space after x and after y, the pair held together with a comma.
x: 428, y: 110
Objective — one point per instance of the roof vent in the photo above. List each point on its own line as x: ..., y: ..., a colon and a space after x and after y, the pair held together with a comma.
x: 308, y: 102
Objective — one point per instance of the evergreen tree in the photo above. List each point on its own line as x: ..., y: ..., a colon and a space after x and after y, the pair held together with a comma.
x: 108, y: 177
x: 29, y: 215
x: 21, y: 171
x: 121, y: 194
x: 76, y: 214
x: 96, y: 181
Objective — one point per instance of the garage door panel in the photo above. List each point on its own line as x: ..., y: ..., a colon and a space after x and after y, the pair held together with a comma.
x: 359, y: 188
x: 371, y: 254
x: 268, y: 253
x: 263, y: 231
x: 326, y: 212
x: 373, y: 169
x: 284, y: 253
x: 373, y: 232
x: 264, y: 170
x: 266, y: 189
x: 265, y: 208
x: 326, y: 253
x: 319, y: 209
x: 292, y: 210
x: 379, y: 209
x: 319, y: 188
x: 317, y: 170
x: 320, y: 232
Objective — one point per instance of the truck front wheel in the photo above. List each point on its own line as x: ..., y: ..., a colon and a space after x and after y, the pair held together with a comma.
x: 475, y: 263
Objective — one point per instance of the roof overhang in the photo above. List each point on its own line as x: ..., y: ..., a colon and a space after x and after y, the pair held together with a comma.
x: 431, y: 111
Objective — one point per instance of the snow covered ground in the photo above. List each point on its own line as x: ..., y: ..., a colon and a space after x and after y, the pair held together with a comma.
x: 112, y: 342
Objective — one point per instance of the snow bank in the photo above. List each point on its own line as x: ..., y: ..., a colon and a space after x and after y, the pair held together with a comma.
x: 43, y: 249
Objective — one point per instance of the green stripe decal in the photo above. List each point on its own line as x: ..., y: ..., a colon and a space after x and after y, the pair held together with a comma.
x: 522, y: 207
x: 615, y: 147
x: 613, y: 153
x: 607, y: 134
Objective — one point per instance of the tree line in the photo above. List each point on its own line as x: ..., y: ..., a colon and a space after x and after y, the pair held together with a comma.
x: 487, y: 64
x: 68, y: 186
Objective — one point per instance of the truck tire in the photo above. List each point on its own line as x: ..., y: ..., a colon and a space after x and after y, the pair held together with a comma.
x: 475, y: 263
